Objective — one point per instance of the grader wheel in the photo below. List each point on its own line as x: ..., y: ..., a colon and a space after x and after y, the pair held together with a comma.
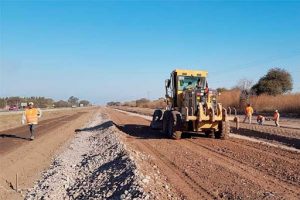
x: 174, y: 125
x: 210, y: 134
x: 166, y: 121
x: 223, y: 130
x: 156, y: 122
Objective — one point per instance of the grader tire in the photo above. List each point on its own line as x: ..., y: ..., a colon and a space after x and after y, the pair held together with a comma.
x: 157, y: 115
x: 209, y: 134
x: 166, y: 121
x: 223, y: 132
x: 174, y: 127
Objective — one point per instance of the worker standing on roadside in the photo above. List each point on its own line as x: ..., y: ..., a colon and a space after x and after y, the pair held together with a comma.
x: 31, y: 116
x: 276, y: 118
x: 248, y: 113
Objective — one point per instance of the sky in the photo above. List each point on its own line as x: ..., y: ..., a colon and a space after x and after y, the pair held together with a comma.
x: 123, y: 50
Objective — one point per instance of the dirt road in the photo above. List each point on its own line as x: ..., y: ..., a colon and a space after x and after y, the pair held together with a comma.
x: 202, y: 168
x: 29, y: 158
x: 14, y: 138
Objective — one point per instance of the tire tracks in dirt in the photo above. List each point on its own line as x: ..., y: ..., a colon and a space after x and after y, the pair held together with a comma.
x: 203, y: 170
x: 13, y: 138
x: 188, y: 187
x: 244, y: 170
x: 290, y: 176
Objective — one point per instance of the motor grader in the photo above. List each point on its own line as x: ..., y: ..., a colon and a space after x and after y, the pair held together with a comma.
x: 191, y: 107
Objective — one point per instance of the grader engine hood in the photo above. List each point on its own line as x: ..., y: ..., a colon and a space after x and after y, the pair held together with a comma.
x: 201, y: 106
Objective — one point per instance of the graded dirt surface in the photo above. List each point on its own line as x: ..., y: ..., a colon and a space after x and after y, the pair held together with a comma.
x: 202, y: 168
x: 12, y: 119
x: 287, y: 134
x: 27, y: 158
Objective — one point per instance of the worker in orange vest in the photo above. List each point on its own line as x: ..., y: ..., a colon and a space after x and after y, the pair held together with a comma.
x: 31, y: 116
x: 248, y: 113
x: 260, y: 119
x: 276, y: 118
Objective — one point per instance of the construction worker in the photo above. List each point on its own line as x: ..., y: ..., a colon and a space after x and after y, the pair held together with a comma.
x: 31, y: 116
x: 248, y: 113
x: 276, y: 118
x: 260, y: 119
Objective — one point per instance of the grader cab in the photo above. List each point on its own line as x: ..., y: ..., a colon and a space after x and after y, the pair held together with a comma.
x: 192, y: 107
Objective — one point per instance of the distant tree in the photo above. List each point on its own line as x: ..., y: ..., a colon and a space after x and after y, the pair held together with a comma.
x: 244, y: 85
x: 14, y: 101
x: 84, y: 102
x: 141, y: 102
x: 130, y: 103
x: 114, y: 103
x: 222, y: 89
x: 73, y: 100
x: 2, y: 102
x: 61, y: 103
x: 276, y: 81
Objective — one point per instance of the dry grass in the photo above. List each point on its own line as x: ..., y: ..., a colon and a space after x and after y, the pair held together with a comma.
x: 156, y: 104
x: 289, y: 103
x: 230, y: 98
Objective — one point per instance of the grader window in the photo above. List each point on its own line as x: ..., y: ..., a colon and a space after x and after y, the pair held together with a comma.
x: 185, y: 82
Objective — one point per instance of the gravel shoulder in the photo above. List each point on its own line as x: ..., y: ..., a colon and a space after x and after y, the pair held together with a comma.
x: 29, y: 158
x: 95, y: 165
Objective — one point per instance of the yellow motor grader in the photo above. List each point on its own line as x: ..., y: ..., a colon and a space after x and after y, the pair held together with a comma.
x: 191, y: 107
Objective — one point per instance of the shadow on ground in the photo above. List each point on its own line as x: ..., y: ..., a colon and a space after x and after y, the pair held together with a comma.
x: 289, y: 141
x: 145, y: 132
x: 102, y: 126
x: 13, y: 136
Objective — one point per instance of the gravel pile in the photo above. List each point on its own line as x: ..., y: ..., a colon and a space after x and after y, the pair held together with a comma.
x: 94, y: 166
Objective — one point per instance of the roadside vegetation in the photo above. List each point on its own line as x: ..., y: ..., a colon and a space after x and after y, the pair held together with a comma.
x: 41, y: 102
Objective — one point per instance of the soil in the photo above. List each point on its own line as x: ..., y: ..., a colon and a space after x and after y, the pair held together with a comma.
x: 27, y: 158
x: 201, y: 168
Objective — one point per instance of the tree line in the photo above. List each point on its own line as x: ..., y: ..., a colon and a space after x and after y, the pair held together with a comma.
x: 42, y: 102
x: 276, y: 82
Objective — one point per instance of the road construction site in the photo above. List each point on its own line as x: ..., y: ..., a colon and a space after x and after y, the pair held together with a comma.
x: 107, y: 153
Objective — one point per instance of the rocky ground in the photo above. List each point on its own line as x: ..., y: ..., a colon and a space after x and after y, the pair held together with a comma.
x: 96, y: 165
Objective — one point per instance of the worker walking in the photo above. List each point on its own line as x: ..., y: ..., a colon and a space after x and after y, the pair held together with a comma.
x: 31, y: 116
x: 248, y: 113
x: 276, y: 118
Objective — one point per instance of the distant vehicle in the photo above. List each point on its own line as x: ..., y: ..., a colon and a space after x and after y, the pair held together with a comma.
x: 73, y: 106
x: 13, y: 108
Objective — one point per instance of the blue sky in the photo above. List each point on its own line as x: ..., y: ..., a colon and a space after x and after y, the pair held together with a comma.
x: 123, y: 50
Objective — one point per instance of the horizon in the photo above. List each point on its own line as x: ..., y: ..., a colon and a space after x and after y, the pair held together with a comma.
x: 122, y: 51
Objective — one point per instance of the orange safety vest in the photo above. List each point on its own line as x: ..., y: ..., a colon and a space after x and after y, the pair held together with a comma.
x: 276, y: 116
x: 249, y: 110
x: 31, y: 116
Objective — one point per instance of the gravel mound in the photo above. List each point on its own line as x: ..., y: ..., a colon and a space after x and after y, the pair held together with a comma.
x: 94, y: 166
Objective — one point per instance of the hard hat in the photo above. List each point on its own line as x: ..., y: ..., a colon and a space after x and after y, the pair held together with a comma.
x: 30, y: 103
